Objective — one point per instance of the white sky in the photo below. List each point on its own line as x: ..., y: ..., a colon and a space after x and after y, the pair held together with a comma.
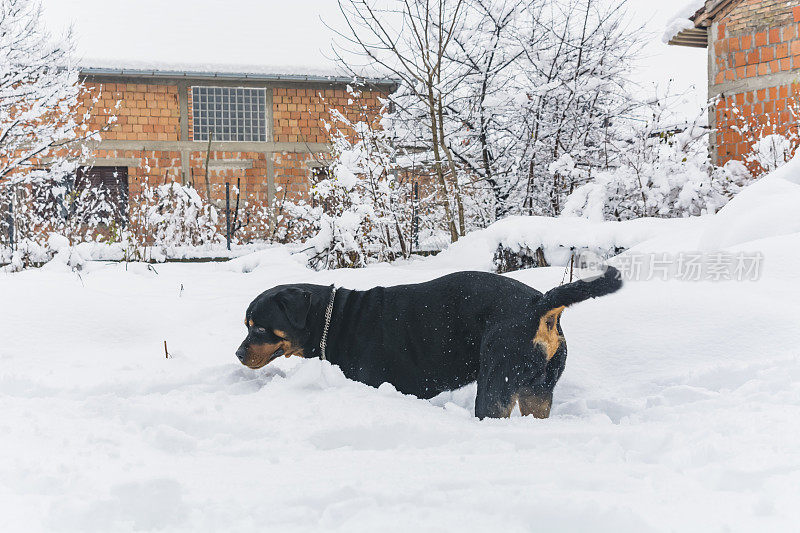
x: 289, y: 34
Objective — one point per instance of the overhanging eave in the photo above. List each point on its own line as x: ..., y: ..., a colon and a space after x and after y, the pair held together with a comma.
x: 692, y: 37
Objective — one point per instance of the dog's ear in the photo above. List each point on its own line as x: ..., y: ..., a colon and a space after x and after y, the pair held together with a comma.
x: 295, y: 304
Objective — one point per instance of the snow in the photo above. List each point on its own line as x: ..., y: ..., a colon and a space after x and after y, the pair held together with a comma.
x: 681, y: 20
x: 674, y: 27
x: 679, y: 409
x: 101, y: 251
x: 556, y: 236
x: 292, y: 70
x: 767, y: 208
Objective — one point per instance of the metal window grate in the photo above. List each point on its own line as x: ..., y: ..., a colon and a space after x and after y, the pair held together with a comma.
x: 231, y: 113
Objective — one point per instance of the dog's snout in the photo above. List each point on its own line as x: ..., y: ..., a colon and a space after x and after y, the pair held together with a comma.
x: 241, y: 353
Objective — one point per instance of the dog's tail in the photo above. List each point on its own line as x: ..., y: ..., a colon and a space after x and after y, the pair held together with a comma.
x: 578, y: 291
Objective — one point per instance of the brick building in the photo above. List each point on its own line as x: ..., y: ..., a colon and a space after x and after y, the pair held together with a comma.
x: 265, y: 128
x: 753, y: 70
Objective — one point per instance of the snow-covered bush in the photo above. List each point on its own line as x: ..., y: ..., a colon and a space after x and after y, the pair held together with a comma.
x: 167, y: 216
x: 51, y: 219
x: 42, y: 212
x: 179, y: 216
x: 772, y: 151
x: 287, y: 220
x: 44, y: 138
x: 360, y: 203
x: 661, y: 173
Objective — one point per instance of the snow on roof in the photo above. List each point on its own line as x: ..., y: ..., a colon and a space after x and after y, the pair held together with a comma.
x: 221, y: 70
x: 225, y: 68
x: 682, y: 19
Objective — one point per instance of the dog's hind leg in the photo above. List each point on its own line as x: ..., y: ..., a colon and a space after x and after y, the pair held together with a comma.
x: 498, y: 381
x: 535, y: 396
x: 533, y: 403
x: 490, y: 404
x: 514, y: 371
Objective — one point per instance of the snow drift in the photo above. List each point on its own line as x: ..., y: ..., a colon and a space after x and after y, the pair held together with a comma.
x: 557, y: 237
x: 766, y: 208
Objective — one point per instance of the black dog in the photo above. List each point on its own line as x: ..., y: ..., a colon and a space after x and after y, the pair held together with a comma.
x: 430, y: 337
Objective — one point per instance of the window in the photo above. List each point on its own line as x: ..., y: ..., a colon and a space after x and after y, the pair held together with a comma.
x: 231, y: 113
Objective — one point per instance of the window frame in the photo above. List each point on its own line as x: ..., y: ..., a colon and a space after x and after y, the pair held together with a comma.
x: 231, y: 119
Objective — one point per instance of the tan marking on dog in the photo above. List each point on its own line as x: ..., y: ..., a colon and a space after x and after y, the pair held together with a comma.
x: 249, y: 322
x: 259, y: 355
x: 505, y: 410
x: 534, y: 405
x: 528, y: 405
x: 279, y: 333
x: 547, y: 335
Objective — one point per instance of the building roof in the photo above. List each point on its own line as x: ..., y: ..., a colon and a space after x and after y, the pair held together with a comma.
x: 225, y: 72
x: 695, y: 34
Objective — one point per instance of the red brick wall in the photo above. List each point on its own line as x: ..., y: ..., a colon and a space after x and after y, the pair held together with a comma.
x: 745, y: 117
x: 253, y: 180
x: 742, y: 53
x: 752, y: 15
x: 145, y: 112
x: 293, y: 171
x: 151, y: 112
x: 298, y: 113
x: 298, y: 116
x: 753, y: 39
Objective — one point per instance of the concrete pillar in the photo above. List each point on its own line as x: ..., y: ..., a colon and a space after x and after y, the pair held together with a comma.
x: 183, y: 104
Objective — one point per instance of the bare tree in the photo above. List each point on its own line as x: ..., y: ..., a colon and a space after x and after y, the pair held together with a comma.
x: 578, y: 57
x: 494, y: 92
x: 40, y: 92
x: 483, y: 139
x: 46, y: 123
x: 410, y: 39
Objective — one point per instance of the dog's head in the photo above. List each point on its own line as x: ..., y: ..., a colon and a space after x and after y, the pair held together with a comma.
x: 276, y: 325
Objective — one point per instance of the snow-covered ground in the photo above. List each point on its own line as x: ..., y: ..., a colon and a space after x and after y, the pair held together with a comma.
x: 679, y: 409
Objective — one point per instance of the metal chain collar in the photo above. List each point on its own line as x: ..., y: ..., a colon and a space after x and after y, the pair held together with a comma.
x: 328, y: 312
